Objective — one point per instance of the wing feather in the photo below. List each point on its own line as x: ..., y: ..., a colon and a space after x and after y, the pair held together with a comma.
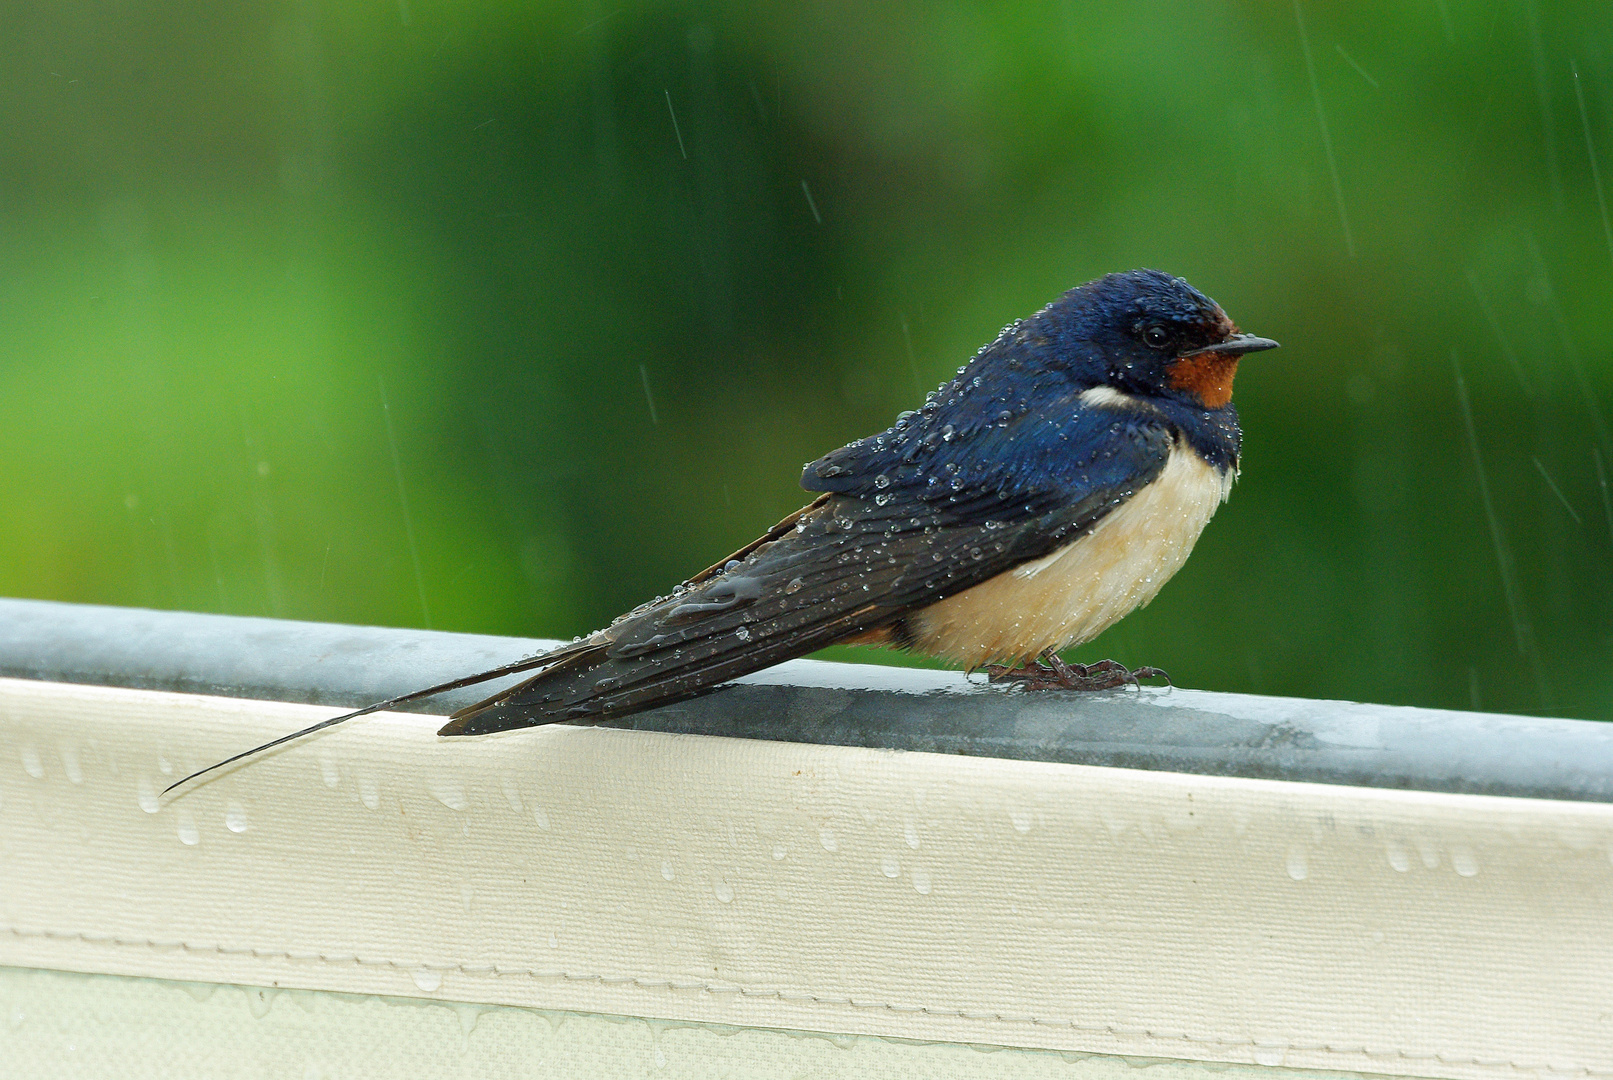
x: 848, y: 563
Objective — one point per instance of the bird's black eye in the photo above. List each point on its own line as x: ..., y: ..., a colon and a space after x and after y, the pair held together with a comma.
x: 1157, y: 337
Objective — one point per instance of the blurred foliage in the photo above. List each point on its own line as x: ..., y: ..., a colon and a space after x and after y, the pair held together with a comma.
x: 506, y: 317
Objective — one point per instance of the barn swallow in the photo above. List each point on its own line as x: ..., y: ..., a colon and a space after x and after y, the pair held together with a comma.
x: 1047, y: 491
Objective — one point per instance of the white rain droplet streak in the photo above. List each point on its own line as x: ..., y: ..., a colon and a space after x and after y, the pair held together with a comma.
x: 1270, y: 1056
x: 448, y: 791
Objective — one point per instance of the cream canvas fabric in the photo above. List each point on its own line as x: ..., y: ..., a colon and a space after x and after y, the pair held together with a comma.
x: 823, y: 889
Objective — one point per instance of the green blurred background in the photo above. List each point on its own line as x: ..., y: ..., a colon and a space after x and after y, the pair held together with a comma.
x: 505, y: 317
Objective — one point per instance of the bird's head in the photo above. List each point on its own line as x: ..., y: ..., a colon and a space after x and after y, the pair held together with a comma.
x: 1146, y: 333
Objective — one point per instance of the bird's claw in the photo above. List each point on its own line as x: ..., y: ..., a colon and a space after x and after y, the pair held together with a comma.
x: 1050, y: 672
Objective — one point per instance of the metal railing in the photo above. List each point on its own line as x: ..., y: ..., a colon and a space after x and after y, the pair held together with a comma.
x: 1173, y: 730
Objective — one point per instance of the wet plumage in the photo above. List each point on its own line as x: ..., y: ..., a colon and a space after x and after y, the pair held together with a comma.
x: 1035, y: 499
x: 1042, y: 494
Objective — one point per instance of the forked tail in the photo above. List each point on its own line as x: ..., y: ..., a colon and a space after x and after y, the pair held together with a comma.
x: 527, y: 664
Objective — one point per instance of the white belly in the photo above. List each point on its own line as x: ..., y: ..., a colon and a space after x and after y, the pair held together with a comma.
x: 1085, y: 587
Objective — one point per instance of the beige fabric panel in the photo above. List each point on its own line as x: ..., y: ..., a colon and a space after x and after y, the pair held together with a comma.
x: 64, y: 1026
x: 812, y: 888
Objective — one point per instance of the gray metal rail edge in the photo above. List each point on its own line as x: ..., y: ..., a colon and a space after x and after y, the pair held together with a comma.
x: 1172, y: 730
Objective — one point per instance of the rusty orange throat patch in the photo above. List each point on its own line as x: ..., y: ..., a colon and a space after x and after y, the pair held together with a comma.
x: 1208, y: 377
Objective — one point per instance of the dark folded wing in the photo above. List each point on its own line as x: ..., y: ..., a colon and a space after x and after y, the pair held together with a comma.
x: 892, y: 537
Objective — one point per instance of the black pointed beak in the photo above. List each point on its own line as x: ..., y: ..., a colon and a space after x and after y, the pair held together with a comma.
x: 1236, y: 345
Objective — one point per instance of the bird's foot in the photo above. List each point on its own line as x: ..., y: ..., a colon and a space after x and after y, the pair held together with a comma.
x: 1050, y: 672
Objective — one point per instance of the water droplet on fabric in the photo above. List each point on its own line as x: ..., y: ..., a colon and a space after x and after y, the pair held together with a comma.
x: 743, y: 633
x: 235, y: 817
x: 1298, y: 862
x: 826, y: 837
x: 666, y: 869
x: 31, y: 763
x: 189, y: 834
x: 448, y: 791
x: 911, y: 834
x: 780, y: 852
x: 1021, y: 819
x: 427, y: 979
x: 199, y: 992
x: 1270, y: 1056
x: 147, y: 795
x: 512, y: 793
x: 1399, y: 857
x: 328, y: 771
x: 1463, y: 861
x: 70, y: 765
x: 890, y: 866
x: 794, y: 586
x: 540, y: 817
x: 368, y: 792
x: 1429, y: 853
x: 921, y: 882
x: 724, y: 891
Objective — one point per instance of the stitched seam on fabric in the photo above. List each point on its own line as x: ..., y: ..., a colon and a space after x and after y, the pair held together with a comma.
x: 711, y: 987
